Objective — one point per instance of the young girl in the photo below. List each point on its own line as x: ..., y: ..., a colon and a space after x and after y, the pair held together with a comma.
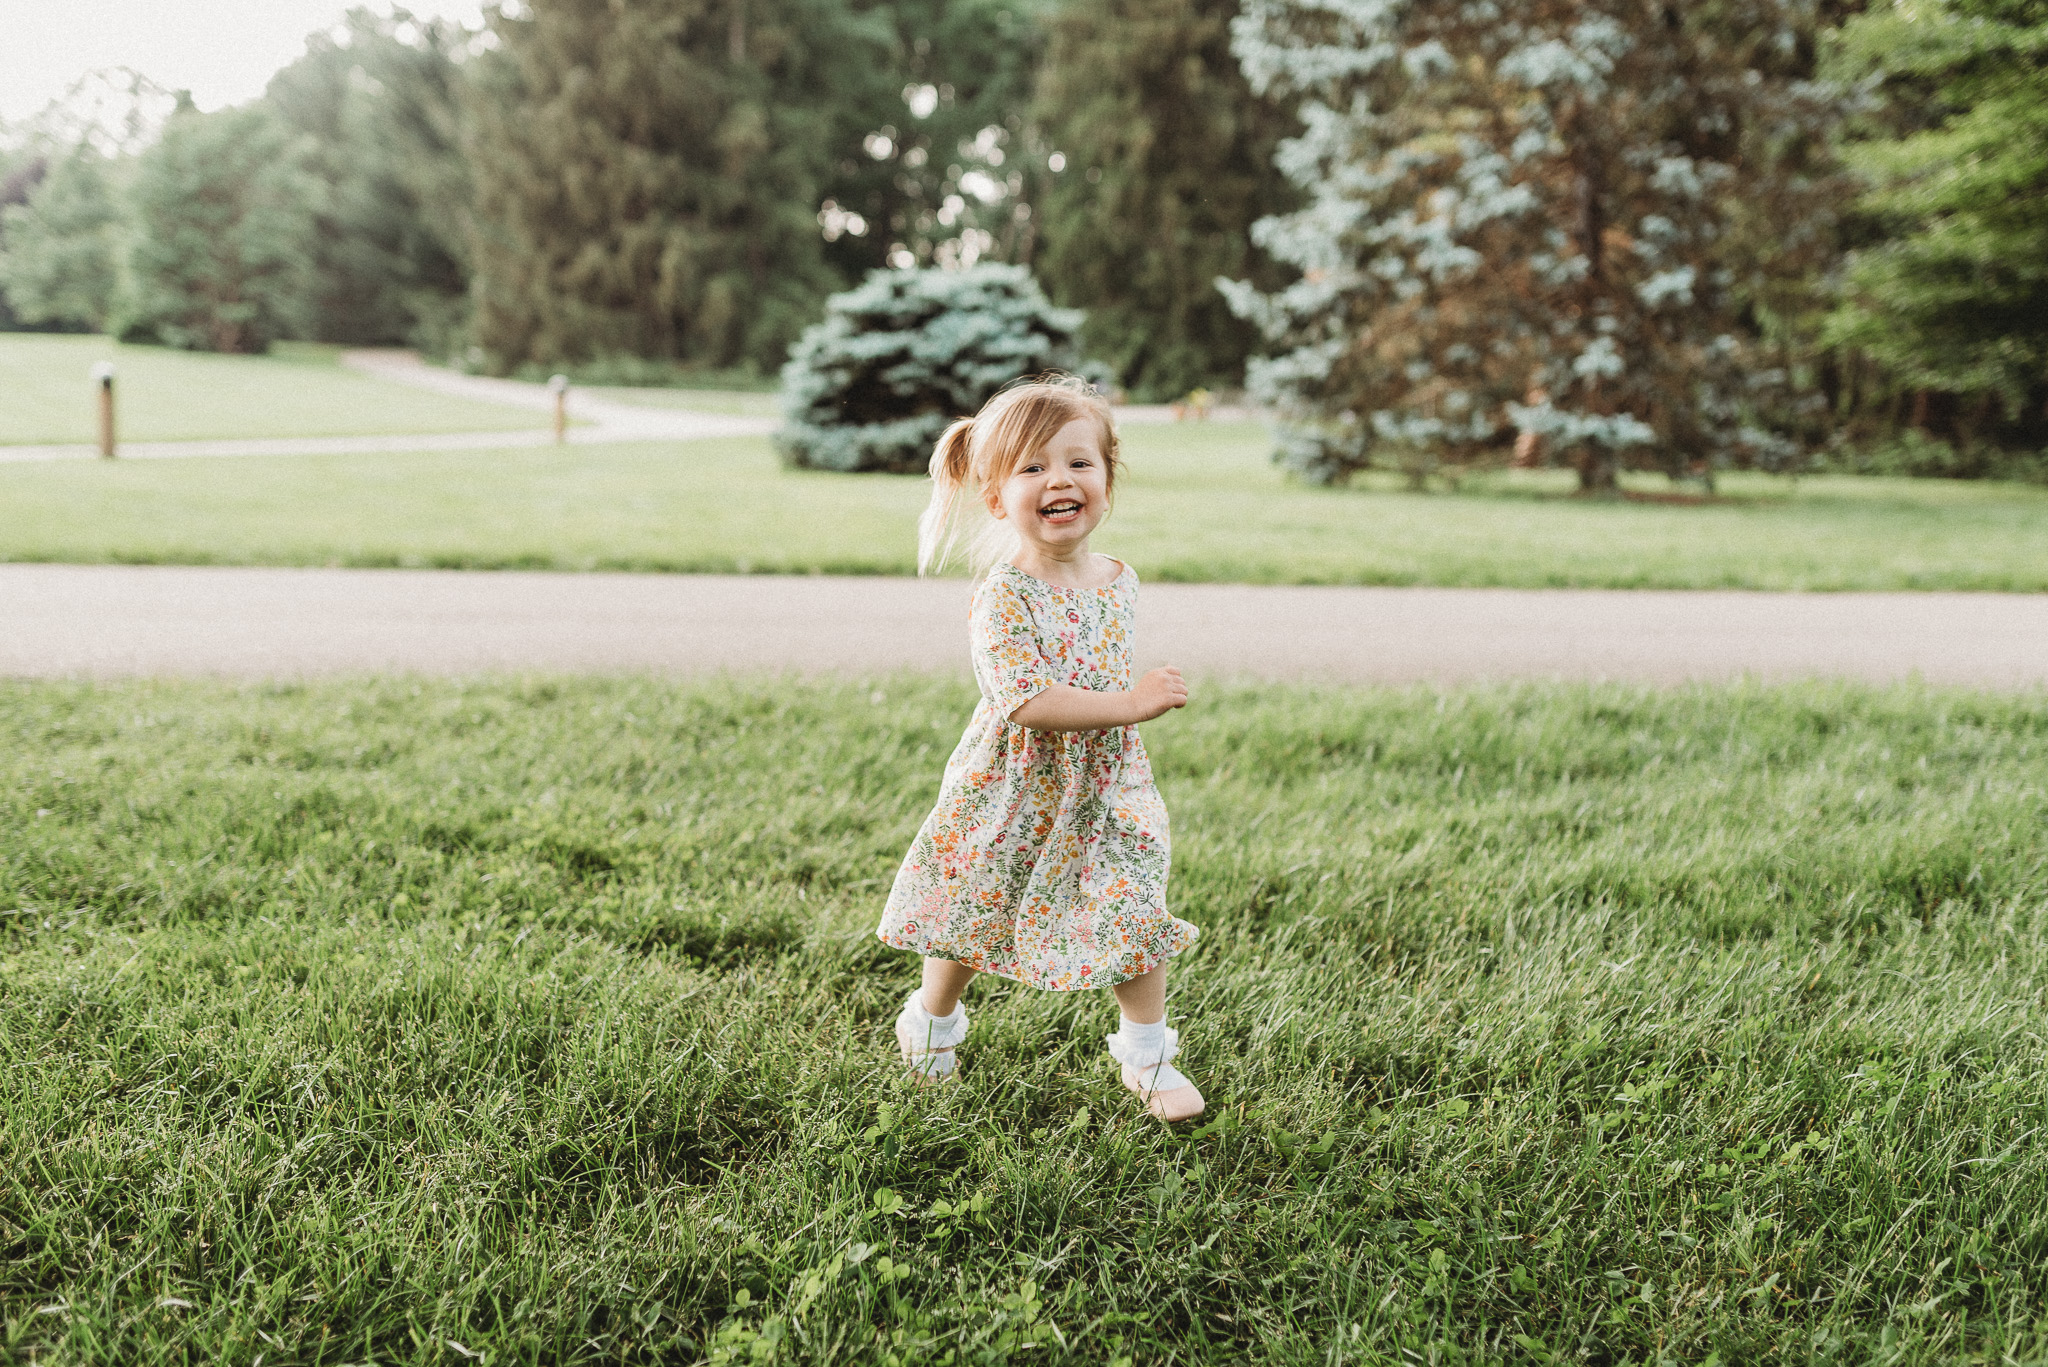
x: 1046, y: 858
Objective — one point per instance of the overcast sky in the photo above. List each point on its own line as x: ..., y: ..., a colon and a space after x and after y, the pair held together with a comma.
x: 223, y: 51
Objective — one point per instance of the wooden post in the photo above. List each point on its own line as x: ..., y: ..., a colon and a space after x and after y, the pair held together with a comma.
x: 103, y: 377
x: 558, y: 385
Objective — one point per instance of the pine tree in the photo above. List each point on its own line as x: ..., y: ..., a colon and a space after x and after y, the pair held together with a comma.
x: 1549, y: 219
x: 59, y: 265
x: 220, y: 212
x: 1954, y: 298
x: 901, y: 356
x: 1166, y: 159
x: 647, y: 175
x: 378, y: 99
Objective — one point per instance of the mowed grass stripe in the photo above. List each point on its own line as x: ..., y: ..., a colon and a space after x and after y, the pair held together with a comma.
x: 358, y: 1020
x: 300, y: 390
x: 1201, y: 503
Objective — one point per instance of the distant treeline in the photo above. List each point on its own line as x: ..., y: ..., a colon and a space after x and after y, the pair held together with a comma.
x: 1450, y: 233
x: 673, y: 180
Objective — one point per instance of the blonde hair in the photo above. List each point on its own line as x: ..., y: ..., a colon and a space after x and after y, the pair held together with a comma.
x: 975, y: 455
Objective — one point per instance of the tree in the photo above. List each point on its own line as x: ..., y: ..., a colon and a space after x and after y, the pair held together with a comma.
x: 1165, y: 160
x: 378, y: 101
x: 220, y: 210
x: 929, y: 151
x: 1549, y: 220
x: 906, y: 353
x: 59, y: 264
x: 648, y: 175
x: 1953, y: 301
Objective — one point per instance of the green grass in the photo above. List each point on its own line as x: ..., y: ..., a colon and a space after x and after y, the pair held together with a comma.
x: 1201, y: 503
x: 731, y: 401
x: 1545, y: 1024
x: 166, y: 395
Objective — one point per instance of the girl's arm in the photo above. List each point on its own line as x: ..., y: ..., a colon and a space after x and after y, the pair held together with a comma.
x: 1063, y: 707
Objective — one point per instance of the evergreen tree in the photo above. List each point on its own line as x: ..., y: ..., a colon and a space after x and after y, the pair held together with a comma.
x: 58, y: 267
x: 648, y: 175
x: 1166, y: 160
x: 220, y: 213
x: 1548, y: 219
x: 1953, y: 302
x: 378, y: 101
x: 900, y: 357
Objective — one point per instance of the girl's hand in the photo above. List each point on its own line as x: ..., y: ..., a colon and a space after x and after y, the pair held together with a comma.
x: 1159, y: 692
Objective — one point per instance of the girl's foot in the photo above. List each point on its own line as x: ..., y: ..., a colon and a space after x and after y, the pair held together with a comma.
x: 1146, y: 1055
x: 928, y: 1041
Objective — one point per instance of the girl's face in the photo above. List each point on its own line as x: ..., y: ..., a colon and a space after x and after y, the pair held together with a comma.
x: 1056, y: 497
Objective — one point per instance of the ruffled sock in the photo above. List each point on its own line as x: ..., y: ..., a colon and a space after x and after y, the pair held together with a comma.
x: 927, y: 1041
x: 1148, y: 1050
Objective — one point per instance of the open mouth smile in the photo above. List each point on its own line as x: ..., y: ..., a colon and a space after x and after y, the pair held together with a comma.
x: 1066, y: 510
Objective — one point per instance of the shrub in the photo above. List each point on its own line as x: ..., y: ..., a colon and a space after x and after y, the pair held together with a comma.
x: 1914, y: 453
x: 908, y: 351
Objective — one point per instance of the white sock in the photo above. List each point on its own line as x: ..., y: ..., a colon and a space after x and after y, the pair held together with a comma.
x: 1148, y: 1050
x: 1145, y: 1041
x: 946, y: 1019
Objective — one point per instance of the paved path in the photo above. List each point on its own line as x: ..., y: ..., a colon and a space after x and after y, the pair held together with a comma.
x: 109, y: 621
x: 599, y: 420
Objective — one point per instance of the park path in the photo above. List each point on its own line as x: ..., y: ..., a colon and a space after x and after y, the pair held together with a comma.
x: 112, y: 621
x: 597, y: 418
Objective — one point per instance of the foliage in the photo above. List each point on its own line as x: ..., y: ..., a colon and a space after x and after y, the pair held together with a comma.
x: 1910, y: 451
x: 932, y: 146
x: 907, y: 352
x: 378, y: 101
x: 22, y: 168
x: 1167, y: 158
x: 1543, y: 220
x: 369, y: 1019
x: 221, y: 209
x: 1954, y: 297
x: 60, y: 245
x: 647, y: 176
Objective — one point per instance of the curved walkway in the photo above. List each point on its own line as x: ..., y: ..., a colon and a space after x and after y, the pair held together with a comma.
x: 112, y: 621
x: 597, y: 419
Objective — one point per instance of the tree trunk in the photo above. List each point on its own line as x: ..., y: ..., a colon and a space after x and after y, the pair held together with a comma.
x: 1598, y: 471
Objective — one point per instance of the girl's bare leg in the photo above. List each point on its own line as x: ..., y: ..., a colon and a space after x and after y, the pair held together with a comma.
x: 1142, y: 999
x: 944, y: 981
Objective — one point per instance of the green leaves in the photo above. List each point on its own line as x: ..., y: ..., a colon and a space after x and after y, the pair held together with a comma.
x: 1954, y: 294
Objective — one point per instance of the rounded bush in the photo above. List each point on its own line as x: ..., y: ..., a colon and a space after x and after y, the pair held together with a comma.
x: 908, y: 351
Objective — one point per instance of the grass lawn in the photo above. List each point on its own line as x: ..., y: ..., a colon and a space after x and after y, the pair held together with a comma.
x: 166, y: 395
x: 1201, y: 503
x: 362, y: 1020
x: 736, y: 402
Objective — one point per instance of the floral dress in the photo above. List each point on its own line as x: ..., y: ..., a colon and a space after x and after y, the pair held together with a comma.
x: 1046, y: 857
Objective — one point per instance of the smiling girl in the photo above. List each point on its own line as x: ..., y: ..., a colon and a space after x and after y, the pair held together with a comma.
x: 1046, y: 857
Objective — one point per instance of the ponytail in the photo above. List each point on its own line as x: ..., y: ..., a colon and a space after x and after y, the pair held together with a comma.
x: 937, y: 527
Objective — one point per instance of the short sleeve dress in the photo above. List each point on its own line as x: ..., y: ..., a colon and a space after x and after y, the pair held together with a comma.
x: 1046, y: 857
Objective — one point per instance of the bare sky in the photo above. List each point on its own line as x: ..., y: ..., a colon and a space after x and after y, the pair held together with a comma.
x: 223, y: 51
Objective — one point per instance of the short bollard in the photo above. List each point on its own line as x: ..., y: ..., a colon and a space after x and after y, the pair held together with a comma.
x: 558, y: 385
x: 103, y: 377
